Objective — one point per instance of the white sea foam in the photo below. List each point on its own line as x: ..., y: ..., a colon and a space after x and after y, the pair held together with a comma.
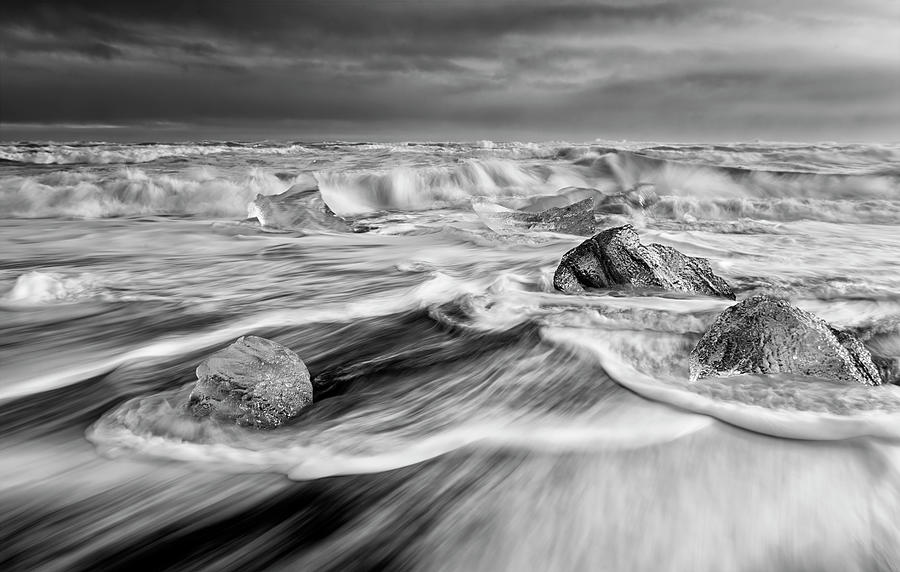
x: 789, y: 408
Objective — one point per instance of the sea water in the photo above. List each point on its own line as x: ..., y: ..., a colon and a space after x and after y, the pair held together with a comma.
x: 468, y: 416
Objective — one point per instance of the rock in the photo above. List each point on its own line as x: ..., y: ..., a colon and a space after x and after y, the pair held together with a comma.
x: 616, y: 257
x: 764, y: 334
x: 254, y: 382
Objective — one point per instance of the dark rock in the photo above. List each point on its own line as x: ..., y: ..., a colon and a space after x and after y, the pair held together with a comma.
x: 764, y: 334
x: 616, y: 257
x: 253, y: 382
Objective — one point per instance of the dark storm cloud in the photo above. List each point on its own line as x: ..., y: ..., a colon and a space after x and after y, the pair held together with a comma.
x: 613, y: 67
x: 290, y: 23
x: 409, y: 31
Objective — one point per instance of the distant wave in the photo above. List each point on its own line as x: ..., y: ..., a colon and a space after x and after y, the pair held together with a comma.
x: 104, y: 154
x: 679, y: 177
x: 691, y: 209
x: 110, y: 153
x: 831, y: 159
x: 483, y: 148
x: 856, y: 159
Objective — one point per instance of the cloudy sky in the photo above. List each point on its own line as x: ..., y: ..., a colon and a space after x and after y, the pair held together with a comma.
x: 677, y: 70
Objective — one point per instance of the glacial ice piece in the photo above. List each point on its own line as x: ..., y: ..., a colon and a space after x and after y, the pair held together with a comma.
x: 617, y: 257
x: 254, y: 382
x: 573, y: 210
x: 298, y: 208
x: 764, y: 334
x: 577, y: 218
x: 628, y: 202
x: 564, y: 197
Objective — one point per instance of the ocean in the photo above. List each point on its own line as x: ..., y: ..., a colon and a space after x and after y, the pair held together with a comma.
x: 467, y: 416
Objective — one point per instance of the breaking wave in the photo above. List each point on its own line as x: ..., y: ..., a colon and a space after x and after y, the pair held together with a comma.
x: 686, y: 191
x: 133, y: 191
x: 353, y: 193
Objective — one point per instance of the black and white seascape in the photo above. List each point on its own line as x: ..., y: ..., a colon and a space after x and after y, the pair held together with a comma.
x: 317, y: 335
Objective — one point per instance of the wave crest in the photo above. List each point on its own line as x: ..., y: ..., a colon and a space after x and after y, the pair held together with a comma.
x: 354, y: 193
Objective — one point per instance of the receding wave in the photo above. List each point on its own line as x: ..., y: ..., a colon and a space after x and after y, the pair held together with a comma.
x: 157, y: 426
x: 438, y: 288
x: 511, y: 391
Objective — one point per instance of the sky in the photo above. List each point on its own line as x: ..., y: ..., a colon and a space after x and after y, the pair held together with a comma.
x: 576, y: 70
